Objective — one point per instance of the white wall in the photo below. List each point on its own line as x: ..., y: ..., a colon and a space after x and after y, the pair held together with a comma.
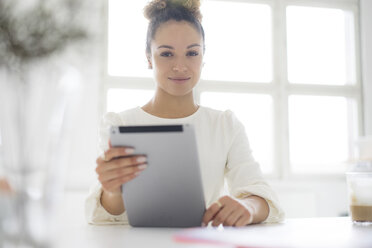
x: 321, y: 197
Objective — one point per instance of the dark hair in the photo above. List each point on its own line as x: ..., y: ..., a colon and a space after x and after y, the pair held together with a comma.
x: 159, y: 12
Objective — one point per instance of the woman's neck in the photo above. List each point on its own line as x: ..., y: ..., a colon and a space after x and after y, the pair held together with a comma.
x: 168, y: 106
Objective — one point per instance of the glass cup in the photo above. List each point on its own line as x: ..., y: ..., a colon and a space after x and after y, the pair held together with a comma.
x: 359, y: 182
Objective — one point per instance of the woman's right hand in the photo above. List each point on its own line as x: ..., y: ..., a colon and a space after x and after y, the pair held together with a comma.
x: 117, y: 166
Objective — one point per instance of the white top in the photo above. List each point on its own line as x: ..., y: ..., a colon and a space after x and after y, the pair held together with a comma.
x: 224, y: 153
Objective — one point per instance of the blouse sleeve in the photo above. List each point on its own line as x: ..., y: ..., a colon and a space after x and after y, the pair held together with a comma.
x: 95, y: 213
x: 243, y: 174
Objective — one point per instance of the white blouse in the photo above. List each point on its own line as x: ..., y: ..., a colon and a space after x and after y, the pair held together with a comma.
x: 224, y: 153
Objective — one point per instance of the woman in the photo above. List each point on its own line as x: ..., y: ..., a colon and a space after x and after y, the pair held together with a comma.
x: 175, y: 50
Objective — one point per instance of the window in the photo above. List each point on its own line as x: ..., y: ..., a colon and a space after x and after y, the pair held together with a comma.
x: 318, y: 137
x: 320, y: 46
x: 126, y: 53
x: 239, y: 45
x: 287, y: 68
x: 121, y: 99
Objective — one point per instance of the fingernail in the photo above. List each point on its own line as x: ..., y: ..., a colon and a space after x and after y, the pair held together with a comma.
x: 203, y: 224
x: 141, y: 159
x: 137, y: 173
x: 129, y: 150
x: 142, y: 166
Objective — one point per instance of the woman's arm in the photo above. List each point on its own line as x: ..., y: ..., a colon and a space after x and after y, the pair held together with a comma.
x: 244, y: 177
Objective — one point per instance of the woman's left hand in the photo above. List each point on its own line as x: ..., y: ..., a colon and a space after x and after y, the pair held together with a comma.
x: 229, y: 212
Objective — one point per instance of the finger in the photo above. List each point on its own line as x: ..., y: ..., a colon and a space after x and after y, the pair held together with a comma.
x: 120, y: 163
x: 118, y: 173
x: 233, y: 217
x: 244, y: 220
x: 223, y: 214
x: 109, y: 143
x: 226, y: 212
x: 229, y: 206
x: 116, y: 183
x: 110, y: 154
x: 115, y: 152
x: 210, y: 213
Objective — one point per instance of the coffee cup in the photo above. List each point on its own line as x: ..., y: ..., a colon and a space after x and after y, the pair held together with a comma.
x: 359, y: 181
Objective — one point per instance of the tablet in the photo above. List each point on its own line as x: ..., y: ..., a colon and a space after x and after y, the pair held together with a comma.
x: 169, y: 192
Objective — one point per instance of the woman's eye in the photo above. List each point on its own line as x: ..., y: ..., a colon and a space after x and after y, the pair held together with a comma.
x: 166, y: 54
x: 192, y: 53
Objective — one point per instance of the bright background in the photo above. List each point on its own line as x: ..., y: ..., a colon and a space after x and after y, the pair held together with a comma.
x: 289, y: 70
x: 296, y: 73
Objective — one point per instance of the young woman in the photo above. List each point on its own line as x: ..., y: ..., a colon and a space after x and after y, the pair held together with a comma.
x: 175, y: 50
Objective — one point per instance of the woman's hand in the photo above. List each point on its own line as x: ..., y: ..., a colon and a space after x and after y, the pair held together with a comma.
x: 117, y: 166
x: 232, y: 212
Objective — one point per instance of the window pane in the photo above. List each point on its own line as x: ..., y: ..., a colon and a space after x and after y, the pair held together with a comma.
x: 255, y: 112
x: 127, y: 39
x: 318, y: 133
x: 320, y: 46
x: 238, y: 41
x: 121, y: 99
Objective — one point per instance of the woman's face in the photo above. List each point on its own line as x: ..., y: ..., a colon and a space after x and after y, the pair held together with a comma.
x: 176, y: 57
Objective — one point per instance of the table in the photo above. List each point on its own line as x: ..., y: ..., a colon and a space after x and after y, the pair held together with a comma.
x: 303, y: 232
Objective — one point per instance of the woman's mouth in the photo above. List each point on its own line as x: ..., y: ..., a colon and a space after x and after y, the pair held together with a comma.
x: 179, y: 80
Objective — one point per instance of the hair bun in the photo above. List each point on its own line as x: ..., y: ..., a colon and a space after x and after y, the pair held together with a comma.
x: 154, y: 7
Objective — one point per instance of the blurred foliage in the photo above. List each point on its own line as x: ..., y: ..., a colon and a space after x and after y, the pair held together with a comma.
x: 35, y: 29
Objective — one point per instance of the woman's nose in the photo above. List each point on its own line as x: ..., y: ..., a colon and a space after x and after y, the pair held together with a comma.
x: 179, y: 67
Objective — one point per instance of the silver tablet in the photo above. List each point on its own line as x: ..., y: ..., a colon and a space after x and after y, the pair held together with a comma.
x: 169, y: 192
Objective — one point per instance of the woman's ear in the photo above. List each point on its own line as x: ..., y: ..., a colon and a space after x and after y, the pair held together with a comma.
x: 149, y: 60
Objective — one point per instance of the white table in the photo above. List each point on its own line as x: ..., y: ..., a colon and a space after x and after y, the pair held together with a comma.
x: 306, y: 232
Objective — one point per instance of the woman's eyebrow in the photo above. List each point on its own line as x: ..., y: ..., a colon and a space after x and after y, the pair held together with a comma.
x: 170, y: 47
x: 165, y: 46
x: 193, y: 45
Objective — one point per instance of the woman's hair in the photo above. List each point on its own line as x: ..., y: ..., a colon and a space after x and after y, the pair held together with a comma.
x: 160, y: 11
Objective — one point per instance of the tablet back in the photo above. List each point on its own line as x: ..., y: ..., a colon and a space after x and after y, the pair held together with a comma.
x: 169, y: 192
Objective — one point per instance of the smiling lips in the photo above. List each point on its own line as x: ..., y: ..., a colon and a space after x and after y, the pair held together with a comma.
x: 179, y: 80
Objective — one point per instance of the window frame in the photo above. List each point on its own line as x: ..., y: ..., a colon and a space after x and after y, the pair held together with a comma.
x: 279, y: 88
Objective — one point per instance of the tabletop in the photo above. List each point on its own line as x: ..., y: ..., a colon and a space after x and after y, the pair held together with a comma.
x: 301, y: 232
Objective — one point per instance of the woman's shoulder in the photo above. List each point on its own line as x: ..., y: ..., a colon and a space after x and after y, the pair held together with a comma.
x: 120, y: 118
x: 222, y: 115
x: 218, y: 123
x: 225, y: 119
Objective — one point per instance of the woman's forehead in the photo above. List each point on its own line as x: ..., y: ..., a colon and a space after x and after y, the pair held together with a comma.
x: 176, y: 32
